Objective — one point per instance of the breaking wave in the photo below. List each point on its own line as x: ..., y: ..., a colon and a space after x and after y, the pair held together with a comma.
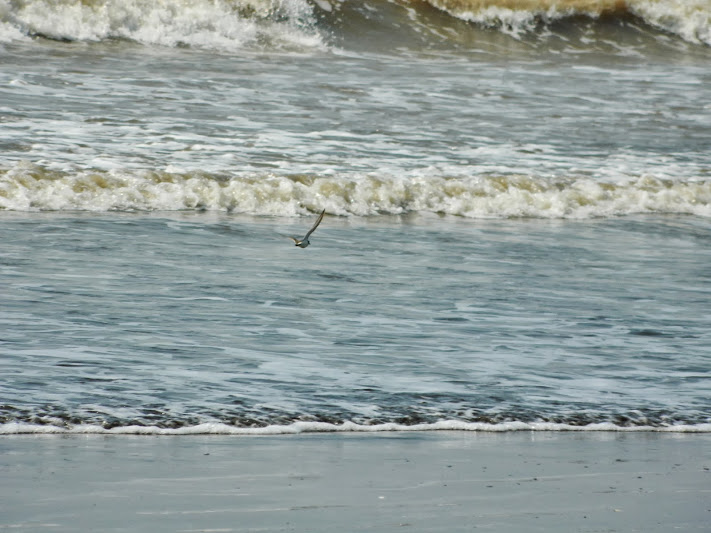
x: 212, y: 24
x: 308, y: 24
x: 689, y: 19
x: 28, y: 187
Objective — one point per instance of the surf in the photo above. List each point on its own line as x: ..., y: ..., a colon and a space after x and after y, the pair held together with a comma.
x: 28, y: 187
x: 330, y: 24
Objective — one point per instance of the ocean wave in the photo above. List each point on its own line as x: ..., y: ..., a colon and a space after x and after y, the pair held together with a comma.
x: 315, y: 24
x: 29, y: 187
x: 19, y: 428
x: 211, y: 24
x: 689, y: 19
x: 518, y: 17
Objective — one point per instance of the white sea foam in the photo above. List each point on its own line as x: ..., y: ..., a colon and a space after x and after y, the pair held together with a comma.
x: 9, y: 30
x: 27, y: 187
x: 19, y: 428
x: 690, y: 19
x: 514, y: 22
x: 210, y: 24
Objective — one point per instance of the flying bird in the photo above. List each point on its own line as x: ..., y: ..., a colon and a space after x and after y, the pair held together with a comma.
x: 303, y: 243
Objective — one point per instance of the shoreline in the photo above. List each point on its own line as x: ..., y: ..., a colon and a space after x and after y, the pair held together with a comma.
x: 418, y: 481
x: 302, y: 427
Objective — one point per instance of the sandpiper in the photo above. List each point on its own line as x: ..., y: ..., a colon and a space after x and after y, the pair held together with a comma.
x: 303, y: 243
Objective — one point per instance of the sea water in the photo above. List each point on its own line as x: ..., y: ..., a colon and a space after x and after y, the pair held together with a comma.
x: 518, y: 200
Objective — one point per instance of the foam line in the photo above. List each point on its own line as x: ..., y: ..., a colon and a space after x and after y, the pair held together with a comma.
x: 16, y: 428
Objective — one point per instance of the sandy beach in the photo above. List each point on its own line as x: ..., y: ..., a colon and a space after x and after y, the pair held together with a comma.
x: 438, y: 481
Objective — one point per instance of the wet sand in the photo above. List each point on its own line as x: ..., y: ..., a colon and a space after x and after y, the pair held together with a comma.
x: 421, y: 481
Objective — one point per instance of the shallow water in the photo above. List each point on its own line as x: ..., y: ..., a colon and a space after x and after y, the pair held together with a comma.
x: 191, y: 319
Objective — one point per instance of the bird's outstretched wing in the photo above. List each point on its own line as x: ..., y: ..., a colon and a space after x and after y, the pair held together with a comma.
x: 318, y: 221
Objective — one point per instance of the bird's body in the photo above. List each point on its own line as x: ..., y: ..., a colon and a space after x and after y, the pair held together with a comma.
x: 303, y: 243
